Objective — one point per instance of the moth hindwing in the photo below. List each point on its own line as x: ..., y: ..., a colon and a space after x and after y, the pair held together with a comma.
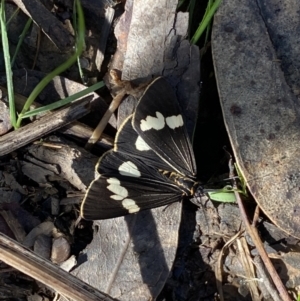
x: 152, y: 163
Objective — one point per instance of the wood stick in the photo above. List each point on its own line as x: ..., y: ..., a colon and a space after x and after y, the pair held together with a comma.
x: 29, y: 263
x: 45, y: 125
x: 103, y: 122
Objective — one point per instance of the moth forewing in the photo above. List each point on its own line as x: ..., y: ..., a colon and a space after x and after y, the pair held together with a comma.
x: 128, y: 141
x: 159, y: 122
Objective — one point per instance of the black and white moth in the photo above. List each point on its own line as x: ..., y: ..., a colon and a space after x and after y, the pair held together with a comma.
x: 152, y: 163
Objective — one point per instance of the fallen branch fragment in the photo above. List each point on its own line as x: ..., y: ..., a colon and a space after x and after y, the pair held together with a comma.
x: 45, y: 125
x: 29, y: 263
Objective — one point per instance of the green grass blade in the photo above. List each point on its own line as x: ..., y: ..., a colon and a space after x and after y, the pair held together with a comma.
x: 64, y: 101
x: 75, y: 26
x: 21, y: 39
x: 13, y: 15
x: 242, y: 179
x: 191, y: 9
x: 205, y: 21
x: 180, y: 3
x: 9, y: 80
x: 44, y: 82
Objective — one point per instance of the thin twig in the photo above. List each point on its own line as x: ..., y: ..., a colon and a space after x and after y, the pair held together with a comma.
x: 246, y: 261
x: 219, y: 264
x: 103, y: 122
x: 258, y: 243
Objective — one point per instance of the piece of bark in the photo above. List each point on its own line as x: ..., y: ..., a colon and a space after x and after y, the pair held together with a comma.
x: 55, y: 20
x: 71, y: 162
x: 69, y: 264
x: 45, y: 228
x: 14, y: 225
x: 60, y: 250
x: 42, y: 245
x: 39, y: 174
x: 5, y: 124
x: 13, y: 184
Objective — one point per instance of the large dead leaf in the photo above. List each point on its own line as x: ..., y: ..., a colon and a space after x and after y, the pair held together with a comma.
x: 256, y: 56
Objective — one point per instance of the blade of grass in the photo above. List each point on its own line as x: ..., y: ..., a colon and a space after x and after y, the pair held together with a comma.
x: 13, y: 15
x: 21, y: 39
x: 180, y: 3
x: 64, y: 101
x: 191, y: 9
x: 76, y: 34
x: 5, y: 46
x: 210, y: 11
x: 44, y: 82
x: 210, y: 3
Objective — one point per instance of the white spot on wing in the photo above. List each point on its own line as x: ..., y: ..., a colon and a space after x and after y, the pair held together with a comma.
x: 130, y: 205
x: 141, y: 145
x: 121, y: 194
x: 174, y: 122
x: 156, y: 123
x: 129, y: 169
x: 115, y: 187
